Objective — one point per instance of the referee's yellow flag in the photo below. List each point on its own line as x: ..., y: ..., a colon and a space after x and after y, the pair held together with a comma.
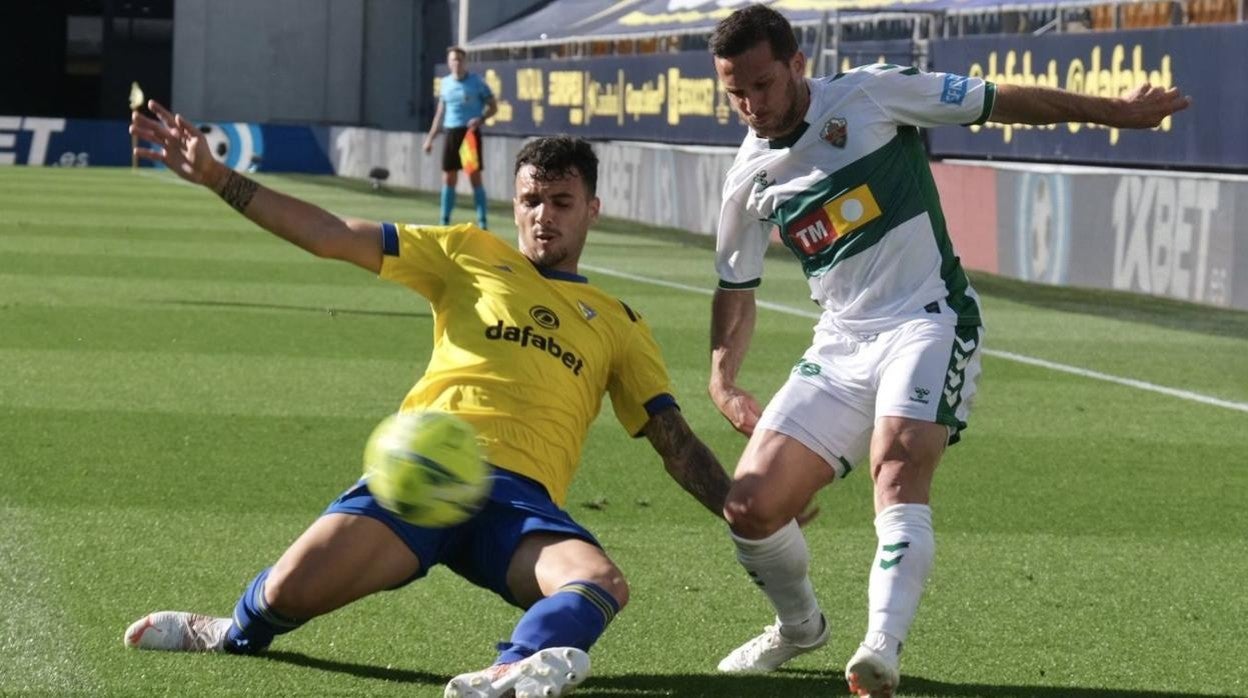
x: 470, y: 152
x: 136, y: 97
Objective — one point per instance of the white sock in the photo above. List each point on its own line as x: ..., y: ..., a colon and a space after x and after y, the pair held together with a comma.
x: 778, y: 564
x: 898, y: 574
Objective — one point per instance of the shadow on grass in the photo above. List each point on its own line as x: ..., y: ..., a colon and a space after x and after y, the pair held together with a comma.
x: 785, y: 683
x: 298, y: 308
x: 364, y: 671
x: 798, y: 684
x: 1117, y: 305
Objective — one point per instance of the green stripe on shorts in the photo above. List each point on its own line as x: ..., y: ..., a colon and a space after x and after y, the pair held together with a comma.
x: 966, y: 341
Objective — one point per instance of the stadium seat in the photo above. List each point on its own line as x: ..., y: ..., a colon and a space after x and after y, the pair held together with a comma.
x: 1163, y: 14
x: 1133, y: 15
x: 1228, y: 11
x: 1198, y: 11
x: 1103, y: 17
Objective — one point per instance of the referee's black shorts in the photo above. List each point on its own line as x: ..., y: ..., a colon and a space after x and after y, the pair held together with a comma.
x: 450, y: 149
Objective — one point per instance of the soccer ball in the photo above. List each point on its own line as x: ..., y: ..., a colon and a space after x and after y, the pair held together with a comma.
x: 427, y: 468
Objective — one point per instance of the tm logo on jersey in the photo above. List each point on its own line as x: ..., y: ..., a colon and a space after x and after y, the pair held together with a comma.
x: 954, y: 90
x: 817, y: 230
x: 527, y: 337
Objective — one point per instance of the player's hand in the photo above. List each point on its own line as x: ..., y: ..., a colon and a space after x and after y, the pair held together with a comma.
x: 1146, y: 105
x: 428, y: 145
x: 182, y: 148
x: 738, y: 407
x: 474, y: 123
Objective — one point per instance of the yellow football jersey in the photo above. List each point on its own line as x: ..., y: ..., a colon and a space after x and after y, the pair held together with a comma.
x: 523, y: 354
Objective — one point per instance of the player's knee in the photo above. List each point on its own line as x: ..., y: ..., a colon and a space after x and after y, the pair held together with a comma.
x: 619, y: 591
x: 899, y: 482
x: 751, y: 513
x: 292, y: 594
x: 887, y: 472
x: 613, y: 582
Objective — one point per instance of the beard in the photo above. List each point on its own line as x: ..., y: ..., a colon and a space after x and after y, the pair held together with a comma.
x: 545, y: 256
x: 792, y: 115
x: 550, y: 258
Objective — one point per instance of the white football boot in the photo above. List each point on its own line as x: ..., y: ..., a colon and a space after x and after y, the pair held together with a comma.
x: 872, y: 673
x: 554, y: 671
x: 177, y: 631
x: 770, y: 650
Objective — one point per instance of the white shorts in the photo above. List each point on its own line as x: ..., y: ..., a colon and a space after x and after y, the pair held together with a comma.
x: 921, y: 370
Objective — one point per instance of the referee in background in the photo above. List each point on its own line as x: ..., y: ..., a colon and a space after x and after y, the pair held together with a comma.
x: 464, y: 102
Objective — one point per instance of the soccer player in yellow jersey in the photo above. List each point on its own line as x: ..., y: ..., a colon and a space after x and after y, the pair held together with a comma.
x: 524, y: 349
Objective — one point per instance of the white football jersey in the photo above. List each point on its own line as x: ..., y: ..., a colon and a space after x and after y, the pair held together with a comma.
x: 852, y: 196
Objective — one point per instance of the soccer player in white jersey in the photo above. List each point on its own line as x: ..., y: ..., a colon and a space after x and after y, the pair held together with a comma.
x: 836, y: 166
x: 525, y: 349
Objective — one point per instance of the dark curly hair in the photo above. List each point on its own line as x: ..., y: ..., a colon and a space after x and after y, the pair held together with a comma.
x: 556, y: 157
x: 745, y: 28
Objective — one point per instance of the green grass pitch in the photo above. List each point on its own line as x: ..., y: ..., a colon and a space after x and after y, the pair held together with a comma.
x: 182, y: 393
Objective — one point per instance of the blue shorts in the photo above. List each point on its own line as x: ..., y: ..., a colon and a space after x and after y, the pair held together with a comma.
x: 481, y: 548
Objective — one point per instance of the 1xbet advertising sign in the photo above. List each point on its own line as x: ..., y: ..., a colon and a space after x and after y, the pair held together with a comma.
x: 41, y: 141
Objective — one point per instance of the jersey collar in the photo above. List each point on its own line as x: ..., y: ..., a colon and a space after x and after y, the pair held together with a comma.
x: 560, y: 275
x: 789, y: 140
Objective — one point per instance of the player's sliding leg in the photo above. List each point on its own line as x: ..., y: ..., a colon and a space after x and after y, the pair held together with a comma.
x: 177, y: 631
x: 575, y: 615
x: 905, y: 453
x: 572, y: 591
x: 549, y: 672
x: 339, y: 559
x: 774, y: 482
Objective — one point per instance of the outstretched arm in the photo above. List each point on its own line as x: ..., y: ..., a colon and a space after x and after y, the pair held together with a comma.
x: 694, y: 466
x: 184, y: 150
x: 1143, y: 107
x: 688, y: 460
x: 732, y: 326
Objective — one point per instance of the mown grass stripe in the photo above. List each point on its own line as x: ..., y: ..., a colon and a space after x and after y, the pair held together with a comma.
x: 38, y: 651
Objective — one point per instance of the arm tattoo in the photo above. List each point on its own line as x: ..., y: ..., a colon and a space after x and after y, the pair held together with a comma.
x: 238, y: 191
x: 688, y: 460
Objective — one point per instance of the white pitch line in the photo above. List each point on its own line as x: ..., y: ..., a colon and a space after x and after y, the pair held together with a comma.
x: 1007, y: 355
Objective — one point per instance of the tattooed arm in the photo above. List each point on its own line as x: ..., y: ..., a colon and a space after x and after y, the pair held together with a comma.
x: 688, y: 460
x: 313, y: 228
x: 184, y: 150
